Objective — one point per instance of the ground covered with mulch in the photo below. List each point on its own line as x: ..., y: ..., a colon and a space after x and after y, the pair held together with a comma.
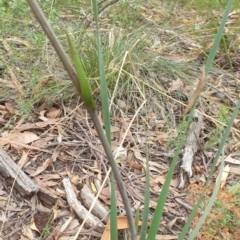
x: 153, y: 60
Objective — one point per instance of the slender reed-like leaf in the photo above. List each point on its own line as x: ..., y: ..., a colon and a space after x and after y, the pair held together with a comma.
x: 211, y: 202
x: 143, y: 232
x: 227, y: 131
x: 83, y: 86
x: 103, y: 84
x: 136, y: 219
x: 113, y: 211
x: 218, y: 37
x: 106, y: 120
x: 164, y: 193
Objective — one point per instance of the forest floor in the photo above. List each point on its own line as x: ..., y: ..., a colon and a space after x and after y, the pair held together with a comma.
x: 153, y: 52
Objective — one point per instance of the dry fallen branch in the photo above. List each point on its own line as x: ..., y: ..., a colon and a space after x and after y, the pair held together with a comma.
x: 9, y: 169
x: 191, y: 147
x: 79, y: 209
x: 88, y: 197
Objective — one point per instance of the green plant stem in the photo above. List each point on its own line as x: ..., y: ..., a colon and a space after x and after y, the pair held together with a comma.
x: 116, y: 172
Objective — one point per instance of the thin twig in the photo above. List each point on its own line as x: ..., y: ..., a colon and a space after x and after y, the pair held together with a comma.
x: 102, y: 9
x: 101, y: 2
x: 234, y: 102
x: 107, y: 5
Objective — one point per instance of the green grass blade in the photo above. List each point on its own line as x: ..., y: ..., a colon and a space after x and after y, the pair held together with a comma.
x: 210, y: 204
x: 208, y: 66
x: 218, y: 37
x: 113, y: 211
x: 164, y: 193
x: 143, y: 232
x: 82, y: 85
x: 106, y: 119
x: 136, y: 219
x: 103, y: 84
x: 221, y: 146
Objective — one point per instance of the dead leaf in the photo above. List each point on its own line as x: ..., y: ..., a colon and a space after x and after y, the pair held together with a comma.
x: 4, y: 141
x: 27, y: 232
x: 175, y: 85
x: 16, y: 83
x: 134, y: 164
x: 41, y: 219
x: 25, y: 137
x: 105, y: 195
x: 10, y: 108
x: 122, y: 223
x: 40, y: 143
x: 20, y: 122
x: 37, y: 125
x: 229, y: 159
x: 171, y: 223
x: 24, y: 159
x: 56, y: 153
x: 235, y: 170
x: 53, y: 112
x: 42, y: 168
x: 3, y: 217
x: 33, y: 226
x: 74, y: 223
x: 197, y: 91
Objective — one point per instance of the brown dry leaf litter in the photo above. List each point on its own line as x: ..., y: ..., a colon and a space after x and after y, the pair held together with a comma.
x: 60, y: 142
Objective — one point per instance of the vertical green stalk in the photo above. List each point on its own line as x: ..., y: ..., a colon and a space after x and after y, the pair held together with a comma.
x: 210, y: 59
x: 218, y: 37
x: 106, y: 118
x: 143, y: 232
x: 157, y: 216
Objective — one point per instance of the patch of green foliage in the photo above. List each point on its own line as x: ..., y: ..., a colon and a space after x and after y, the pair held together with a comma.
x: 227, y: 219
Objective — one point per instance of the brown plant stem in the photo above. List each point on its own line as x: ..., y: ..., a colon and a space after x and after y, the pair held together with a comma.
x: 115, y: 170
x: 71, y: 72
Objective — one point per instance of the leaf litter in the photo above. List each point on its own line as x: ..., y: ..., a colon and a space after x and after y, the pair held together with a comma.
x: 53, y: 146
